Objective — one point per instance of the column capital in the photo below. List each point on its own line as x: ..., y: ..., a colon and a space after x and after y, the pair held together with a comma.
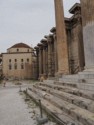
x: 44, y: 43
x: 49, y: 38
x: 40, y: 46
x: 36, y: 48
x: 53, y: 30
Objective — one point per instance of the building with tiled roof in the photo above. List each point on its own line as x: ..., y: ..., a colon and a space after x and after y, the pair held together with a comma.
x: 20, y: 45
x: 17, y: 61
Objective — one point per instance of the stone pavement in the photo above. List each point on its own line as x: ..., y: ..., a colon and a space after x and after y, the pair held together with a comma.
x: 13, y: 110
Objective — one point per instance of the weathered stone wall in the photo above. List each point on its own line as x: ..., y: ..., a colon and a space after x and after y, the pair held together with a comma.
x: 75, y: 40
x: 72, y: 48
x: 88, y: 32
x: 18, y: 72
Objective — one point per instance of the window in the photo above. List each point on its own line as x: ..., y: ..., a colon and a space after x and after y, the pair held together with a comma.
x: 17, y: 50
x: 15, y: 60
x: 15, y: 66
x: 22, y: 66
x: 10, y: 67
x: 28, y: 50
x: 9, y: 60
x: 27, y: 60
x: 22, y: 60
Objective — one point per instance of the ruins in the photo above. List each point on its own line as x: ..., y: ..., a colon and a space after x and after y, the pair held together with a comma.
x: 63, y: 62
x: 65, y: 57
x: 62, y: 51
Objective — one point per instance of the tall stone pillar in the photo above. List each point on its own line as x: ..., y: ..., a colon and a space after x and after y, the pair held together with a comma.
x: 86, y: 78
x: 63, y: 65
x: 44, y: 42
x: 55, y: 54
x: 87, y: 8
x: 52, y: 56
x: 49, y: 55
x: 37, y: 61
x: 47, y: 60
x: 53, y: 30
x: 44, y: 60
x: 40, y: 59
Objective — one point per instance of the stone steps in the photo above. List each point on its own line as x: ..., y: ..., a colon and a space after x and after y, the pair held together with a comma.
x: 65, y: 84
x: 81, y: 115
x: 69, y: 79
x: 60, y: 117
x: 70, y: 90
x: 87, y: 104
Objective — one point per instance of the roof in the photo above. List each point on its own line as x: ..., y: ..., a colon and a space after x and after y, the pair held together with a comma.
x: 20, y: 45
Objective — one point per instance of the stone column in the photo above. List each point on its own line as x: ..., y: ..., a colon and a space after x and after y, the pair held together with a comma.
x: 49, y: 55
x: 47, y: 60
x: 80, y: 41
x: 37, y: 61
x: 87, y: 8
x: 40, y: 59
x: 55, y: 54
x: 52, y: 56
x: 53, y: 30
x: 44, y: 60
x: 63, y: 65
x: 44, y: 42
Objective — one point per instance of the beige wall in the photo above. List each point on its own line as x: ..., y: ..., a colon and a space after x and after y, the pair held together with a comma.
x: 19, y: 73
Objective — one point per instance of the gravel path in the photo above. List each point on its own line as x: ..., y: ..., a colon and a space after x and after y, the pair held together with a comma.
x: 13, y: 110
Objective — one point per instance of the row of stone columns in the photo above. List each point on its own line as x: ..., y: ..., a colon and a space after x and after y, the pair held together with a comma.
x: 53, y: 51
x: 47, y: 56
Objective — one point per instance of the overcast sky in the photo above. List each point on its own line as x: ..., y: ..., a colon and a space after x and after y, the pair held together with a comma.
x: 27, y: 20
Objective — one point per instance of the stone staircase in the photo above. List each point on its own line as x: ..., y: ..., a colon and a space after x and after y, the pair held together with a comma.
x: 68, y: 104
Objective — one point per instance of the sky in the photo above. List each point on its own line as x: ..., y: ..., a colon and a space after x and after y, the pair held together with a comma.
x: 27, y: 21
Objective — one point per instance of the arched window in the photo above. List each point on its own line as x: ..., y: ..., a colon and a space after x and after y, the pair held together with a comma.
x: 22, y: 60
x: 9, y: 60
x: 27, y: 60
x: 15, y: 60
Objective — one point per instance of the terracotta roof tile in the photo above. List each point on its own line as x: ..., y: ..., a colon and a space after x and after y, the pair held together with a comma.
x: 20, y: 45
